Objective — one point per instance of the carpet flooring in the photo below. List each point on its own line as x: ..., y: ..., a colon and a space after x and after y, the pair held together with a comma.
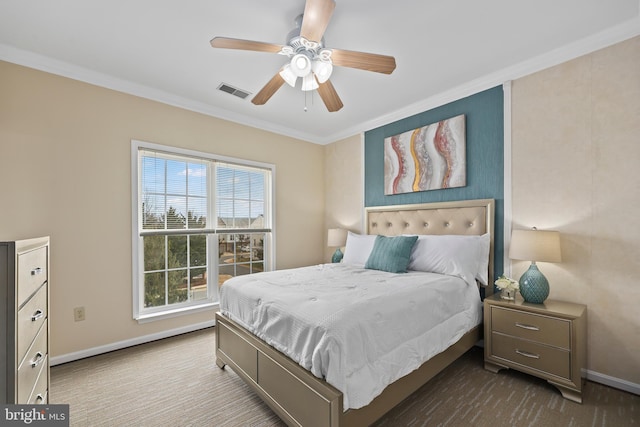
x: 175, y: 382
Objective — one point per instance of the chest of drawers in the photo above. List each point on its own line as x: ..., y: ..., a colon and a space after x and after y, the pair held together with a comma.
x: 24, y: 330
x: 546, y: 340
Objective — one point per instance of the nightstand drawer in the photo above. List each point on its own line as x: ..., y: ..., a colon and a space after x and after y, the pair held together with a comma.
x: 547, y: 330
x: 543, y: 358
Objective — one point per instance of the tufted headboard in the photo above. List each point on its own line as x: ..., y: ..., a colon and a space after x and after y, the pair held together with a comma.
x: 466, y: 217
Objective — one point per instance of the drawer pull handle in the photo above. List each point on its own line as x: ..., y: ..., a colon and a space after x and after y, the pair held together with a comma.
x: 527, y: 354
x: 36, y: 271
x: 37, y: 315
x: 528, y: 327
x: 39, y: 398
x: 37, y: 359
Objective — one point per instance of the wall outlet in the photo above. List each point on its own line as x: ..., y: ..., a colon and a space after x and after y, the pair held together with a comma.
x: 78, y: 314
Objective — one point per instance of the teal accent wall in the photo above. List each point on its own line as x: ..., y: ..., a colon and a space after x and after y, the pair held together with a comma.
x: 484, y: 124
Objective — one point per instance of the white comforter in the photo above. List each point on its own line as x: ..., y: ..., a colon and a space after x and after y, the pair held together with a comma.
x: 358, y: 329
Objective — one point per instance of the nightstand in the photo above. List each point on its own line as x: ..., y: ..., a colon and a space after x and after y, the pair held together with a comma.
x: 546, y: 340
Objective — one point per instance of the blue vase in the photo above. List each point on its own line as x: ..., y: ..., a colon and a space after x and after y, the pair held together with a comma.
x: 337, y: 256
x: 534, y: 287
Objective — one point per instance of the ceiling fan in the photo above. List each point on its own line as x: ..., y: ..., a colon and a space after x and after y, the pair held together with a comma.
x: 308, y: 57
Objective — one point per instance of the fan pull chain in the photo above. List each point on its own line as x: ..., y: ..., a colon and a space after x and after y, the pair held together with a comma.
x: 305, y: 109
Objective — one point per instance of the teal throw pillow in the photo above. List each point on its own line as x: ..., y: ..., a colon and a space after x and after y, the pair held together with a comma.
x: 391, y: 254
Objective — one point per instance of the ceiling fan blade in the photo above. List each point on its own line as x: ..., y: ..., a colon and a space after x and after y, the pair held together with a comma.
x: 229, y: 43
x: 363, y: 61
x: 315, y: 18
x: 329, y: 96
x: 268, y: 90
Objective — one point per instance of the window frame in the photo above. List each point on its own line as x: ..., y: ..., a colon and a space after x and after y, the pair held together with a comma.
x: 212, y: 231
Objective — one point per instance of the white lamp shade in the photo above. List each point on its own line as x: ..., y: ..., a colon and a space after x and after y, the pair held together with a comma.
x: 322, y: 70
x: 309, y: 82
x: 300, y: 65
x: 337, y: 237
x: 287, y: 74
x: 535, y: 245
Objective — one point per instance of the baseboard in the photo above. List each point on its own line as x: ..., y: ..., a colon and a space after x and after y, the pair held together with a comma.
x: 70, y: 357
x: 613, y: 382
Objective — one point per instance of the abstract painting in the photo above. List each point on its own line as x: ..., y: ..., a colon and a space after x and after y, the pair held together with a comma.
x: 428, y: 158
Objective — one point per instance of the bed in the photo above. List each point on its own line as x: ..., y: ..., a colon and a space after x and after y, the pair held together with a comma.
x: 287, y: 384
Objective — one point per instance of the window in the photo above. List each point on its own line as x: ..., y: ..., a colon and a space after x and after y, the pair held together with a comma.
x: 196, y: 216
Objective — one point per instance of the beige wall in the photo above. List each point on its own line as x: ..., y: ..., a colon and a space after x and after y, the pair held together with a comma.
x: 65, y: 172
x: 576, y: 148
x: 344, y: 194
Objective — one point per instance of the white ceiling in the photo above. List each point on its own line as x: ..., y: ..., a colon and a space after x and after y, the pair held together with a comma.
x: 159, y: 49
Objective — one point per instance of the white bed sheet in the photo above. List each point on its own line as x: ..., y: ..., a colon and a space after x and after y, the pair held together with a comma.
x: 358, y: 329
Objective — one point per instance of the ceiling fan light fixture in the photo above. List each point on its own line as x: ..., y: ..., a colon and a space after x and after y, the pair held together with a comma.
x: 309, y: 83
x: 288, y: 75
x: 322, y: 69
x: 308, y: 58
x: 300, y: 65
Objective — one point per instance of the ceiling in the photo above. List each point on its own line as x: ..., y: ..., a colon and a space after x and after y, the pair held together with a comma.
x: 159, y: 49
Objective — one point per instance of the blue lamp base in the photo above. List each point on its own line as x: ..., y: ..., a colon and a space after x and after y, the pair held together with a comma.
x: 337, y: 256
x: 534, y: 287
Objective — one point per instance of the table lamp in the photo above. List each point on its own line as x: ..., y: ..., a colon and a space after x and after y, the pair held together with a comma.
x: 336, y: 239
x: 535, y: 245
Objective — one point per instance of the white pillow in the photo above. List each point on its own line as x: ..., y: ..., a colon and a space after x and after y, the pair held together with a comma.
x: 358, y: 249
x: 484, y: 242
x: 462, y: 256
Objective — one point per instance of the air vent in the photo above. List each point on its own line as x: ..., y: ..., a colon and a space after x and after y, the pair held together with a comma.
x: 233, y: 91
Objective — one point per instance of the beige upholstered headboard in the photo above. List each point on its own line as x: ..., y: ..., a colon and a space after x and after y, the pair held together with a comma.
x: 466, y: 217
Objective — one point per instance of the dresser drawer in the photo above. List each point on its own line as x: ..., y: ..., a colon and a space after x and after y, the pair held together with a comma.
x: 547, y: 330
x: 40, y: 395
x: 554, y: 361
x: 34, y: 361
x: 32, y: 272
x: 30, y: 318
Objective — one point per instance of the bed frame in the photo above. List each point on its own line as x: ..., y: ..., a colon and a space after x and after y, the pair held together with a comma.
x: 301, y: 399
